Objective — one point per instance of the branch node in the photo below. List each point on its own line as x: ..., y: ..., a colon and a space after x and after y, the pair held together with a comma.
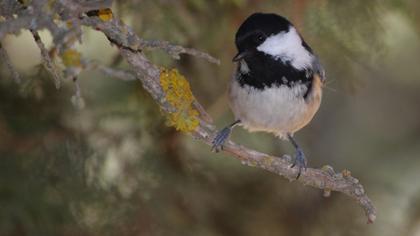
x: 371, y: 218
x: 327, y: 192
x: 329, y: 170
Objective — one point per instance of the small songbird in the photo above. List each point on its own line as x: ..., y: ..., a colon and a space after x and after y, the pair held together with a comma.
x: 277, y: 84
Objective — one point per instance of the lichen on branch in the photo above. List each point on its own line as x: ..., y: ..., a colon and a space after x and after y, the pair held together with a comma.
x: 178, y: 94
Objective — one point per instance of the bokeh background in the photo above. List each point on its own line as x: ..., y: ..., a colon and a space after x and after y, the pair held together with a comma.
x: 115, y: 168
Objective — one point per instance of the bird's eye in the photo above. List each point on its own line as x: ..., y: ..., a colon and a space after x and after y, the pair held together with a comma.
x: 260, y: 38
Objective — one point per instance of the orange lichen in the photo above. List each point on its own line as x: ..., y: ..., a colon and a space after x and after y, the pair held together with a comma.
x: 346, y: 173
x: 105, y: 14
x: 178, y: 94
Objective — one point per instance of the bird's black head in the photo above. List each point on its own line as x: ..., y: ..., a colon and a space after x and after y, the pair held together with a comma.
x: 255, y: 30
x: 271, y: 51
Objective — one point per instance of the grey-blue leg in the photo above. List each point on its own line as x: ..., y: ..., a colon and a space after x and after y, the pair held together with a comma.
x: 222, y: 136
x: 300, y: 160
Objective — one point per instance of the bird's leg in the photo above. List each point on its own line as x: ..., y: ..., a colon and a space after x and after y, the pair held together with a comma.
x: 222, y: 136
x: 300, y: 160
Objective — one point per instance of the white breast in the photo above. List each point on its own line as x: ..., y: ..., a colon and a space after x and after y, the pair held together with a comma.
x: 279, y: 110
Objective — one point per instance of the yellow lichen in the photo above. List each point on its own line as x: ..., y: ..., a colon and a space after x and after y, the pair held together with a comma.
x: 71, y: 58
x: 178, y: 94
x: 69, y: 23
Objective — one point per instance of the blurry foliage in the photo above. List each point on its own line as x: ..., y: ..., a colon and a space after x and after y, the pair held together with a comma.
x: 356, y: 42
x: 114, y: 168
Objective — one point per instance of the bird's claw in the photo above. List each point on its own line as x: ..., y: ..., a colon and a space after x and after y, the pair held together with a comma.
x: 300, y: 162
x: 220, y: 139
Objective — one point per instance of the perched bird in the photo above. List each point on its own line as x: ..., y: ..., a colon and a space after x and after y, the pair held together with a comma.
x: 277, y: 84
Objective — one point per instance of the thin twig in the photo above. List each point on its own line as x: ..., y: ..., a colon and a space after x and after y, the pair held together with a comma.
x: 32, y: 17
x: 77, y: 98
x: 46, y: 59
x: 6, y: 59
x: 124, y: 37
x: 175, y: 50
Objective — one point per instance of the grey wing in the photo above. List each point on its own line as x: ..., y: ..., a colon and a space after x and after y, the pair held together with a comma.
x: 318, y: 69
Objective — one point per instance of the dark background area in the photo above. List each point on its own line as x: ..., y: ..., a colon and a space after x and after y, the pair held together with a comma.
x: 115, y: 168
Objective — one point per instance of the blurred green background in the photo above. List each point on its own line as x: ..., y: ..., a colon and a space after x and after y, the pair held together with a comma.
x: 115, y: 168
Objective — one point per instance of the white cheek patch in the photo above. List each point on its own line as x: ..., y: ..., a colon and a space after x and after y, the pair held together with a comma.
x: 287, y: 47
x: 243, y: 67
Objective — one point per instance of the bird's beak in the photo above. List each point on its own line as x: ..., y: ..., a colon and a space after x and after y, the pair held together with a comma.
x: 240, y: 56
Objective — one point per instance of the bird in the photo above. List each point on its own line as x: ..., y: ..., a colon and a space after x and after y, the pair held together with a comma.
x: 277, y: 83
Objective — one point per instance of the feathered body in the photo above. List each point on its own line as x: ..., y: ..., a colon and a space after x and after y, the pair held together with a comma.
x: 277, y: 86
x: 279, y: 109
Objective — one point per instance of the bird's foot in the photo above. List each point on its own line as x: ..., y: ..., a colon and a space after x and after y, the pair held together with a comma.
x: 220, y: 139
x: 300, y: 162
